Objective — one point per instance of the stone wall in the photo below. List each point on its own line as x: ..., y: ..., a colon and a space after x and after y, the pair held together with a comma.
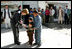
x: 13, y: 5
x: 33, y: 4
x: 42, y: 4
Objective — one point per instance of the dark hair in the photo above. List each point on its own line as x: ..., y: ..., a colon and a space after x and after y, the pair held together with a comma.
x: 66, y: 6
x: 42, y: 9
x: 6, y: 5
x: 30, y: 18
x: 30, y: 8
x: 35, y: 12
x: 19, y: 6
x: 34, y: 8
x: 47, y: 7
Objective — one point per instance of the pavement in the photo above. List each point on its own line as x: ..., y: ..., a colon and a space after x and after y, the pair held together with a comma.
x: 50, y: 38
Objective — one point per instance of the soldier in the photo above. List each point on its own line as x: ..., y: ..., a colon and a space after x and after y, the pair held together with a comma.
x: 15, y: 26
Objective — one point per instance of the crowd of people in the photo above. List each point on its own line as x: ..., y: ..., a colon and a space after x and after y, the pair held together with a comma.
x: 47, y: 15
x: 32, y: 20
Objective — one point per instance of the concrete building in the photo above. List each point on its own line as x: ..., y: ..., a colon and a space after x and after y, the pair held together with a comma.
x: 34, y: 4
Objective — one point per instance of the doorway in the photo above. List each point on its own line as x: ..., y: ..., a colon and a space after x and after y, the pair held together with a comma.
x: 26, y: 6
x: 51, y: 5
x: 54, y: 7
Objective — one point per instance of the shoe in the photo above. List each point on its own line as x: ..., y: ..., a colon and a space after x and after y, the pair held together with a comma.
x: 18, y: 43
x: 35, y: 44
x: 14, y: 43
x: 30, y: 45
x: 38, y: 45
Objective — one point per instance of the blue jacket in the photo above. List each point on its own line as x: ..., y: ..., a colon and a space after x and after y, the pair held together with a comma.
x: 38, y: 22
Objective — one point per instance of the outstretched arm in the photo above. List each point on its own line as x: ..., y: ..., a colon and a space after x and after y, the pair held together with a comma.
x: 21, y: 22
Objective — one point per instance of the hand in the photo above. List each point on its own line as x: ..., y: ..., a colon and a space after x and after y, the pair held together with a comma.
x: 30, y: 25
x: 21, y: 22
x: 39, y: 12
x: 24, y: 25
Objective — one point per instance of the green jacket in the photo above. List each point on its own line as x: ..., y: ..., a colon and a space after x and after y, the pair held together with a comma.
x: 68, y: 11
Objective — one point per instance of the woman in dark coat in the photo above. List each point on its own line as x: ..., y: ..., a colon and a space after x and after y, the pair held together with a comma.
x: 25, y: 16
x: 28, y: 24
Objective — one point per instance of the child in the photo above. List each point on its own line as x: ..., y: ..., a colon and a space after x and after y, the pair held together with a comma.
x: 30, y: 30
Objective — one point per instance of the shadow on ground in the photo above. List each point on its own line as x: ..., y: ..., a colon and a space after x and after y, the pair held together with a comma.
x: 25, y: 45
x: 3, y: 30
x: 57, y: 26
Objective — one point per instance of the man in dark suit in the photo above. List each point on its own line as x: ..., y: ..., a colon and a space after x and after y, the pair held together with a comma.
x: 15, y: 27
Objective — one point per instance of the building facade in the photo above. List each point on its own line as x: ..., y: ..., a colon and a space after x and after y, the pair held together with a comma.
x: 13, y: 5
x: 34, y: 4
